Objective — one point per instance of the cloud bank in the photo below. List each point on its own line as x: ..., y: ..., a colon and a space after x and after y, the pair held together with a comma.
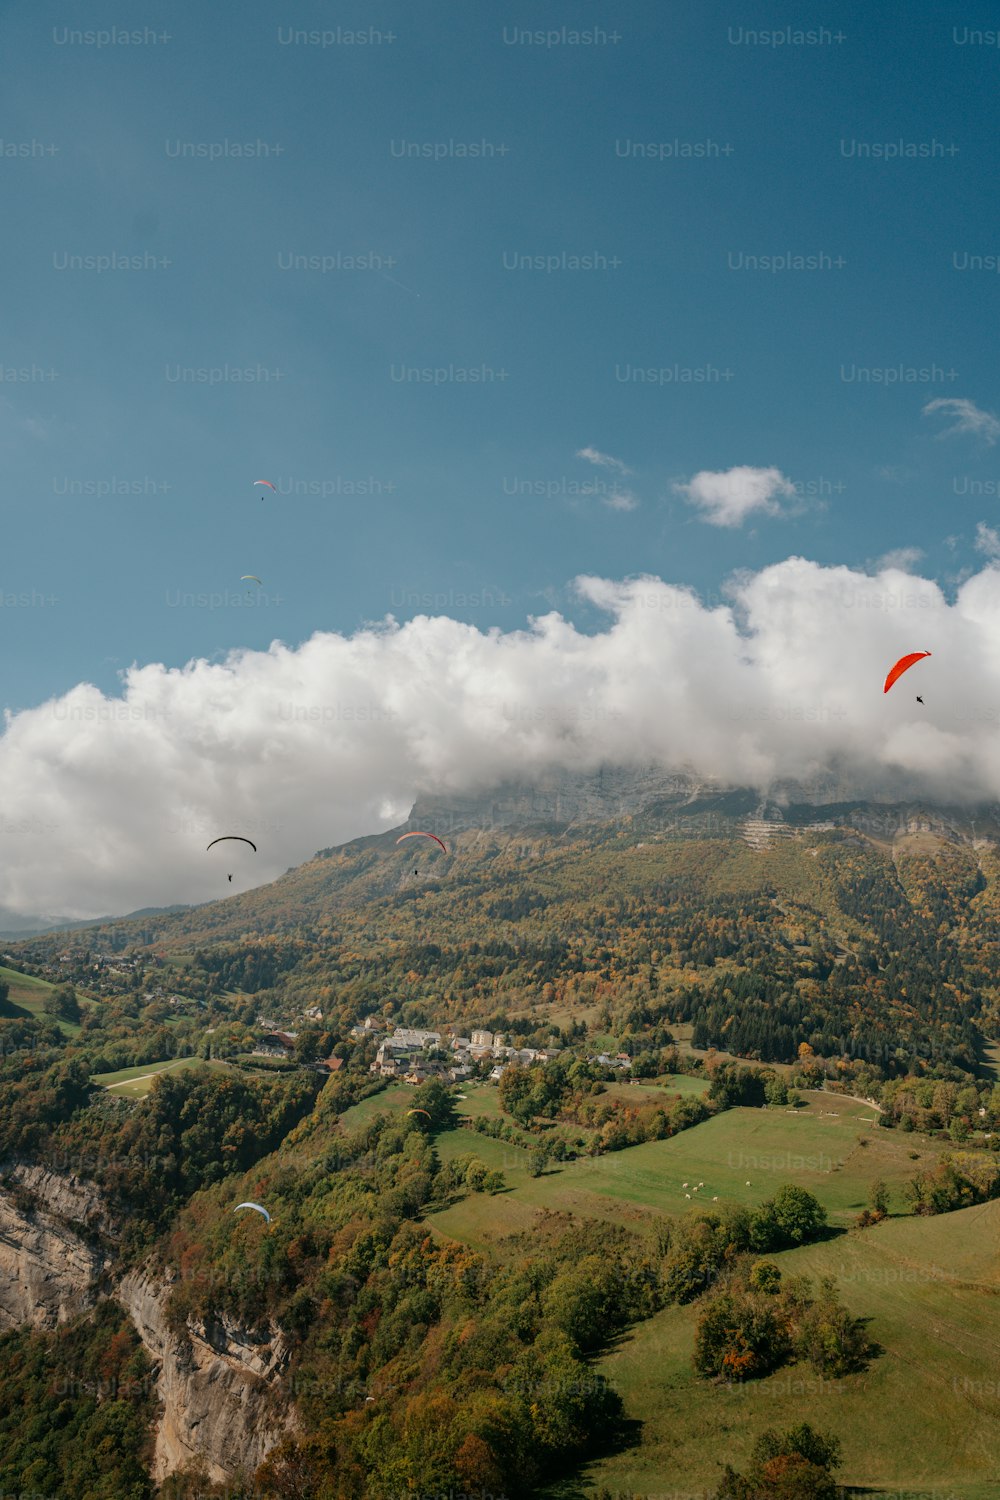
x: 106, y: 805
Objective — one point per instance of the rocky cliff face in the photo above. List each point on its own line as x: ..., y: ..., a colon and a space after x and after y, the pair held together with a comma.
x: 215, y: 1386
x: 49, y: 1272
x: 616, y: 792
x: 559, y: 797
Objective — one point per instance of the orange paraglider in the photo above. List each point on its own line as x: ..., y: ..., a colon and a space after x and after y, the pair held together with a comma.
x: 903, y: 665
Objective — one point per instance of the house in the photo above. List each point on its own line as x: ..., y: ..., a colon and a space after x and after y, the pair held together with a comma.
x: 374, y: 1023
x: 458, y: 1075
x: 497, y: 1071
x: 460, y: 1043
x: 481, y: 1039
x: 313, y: 1014
x: 328, y: 1065
x: 419, y: 1072
x: 276, y: 1044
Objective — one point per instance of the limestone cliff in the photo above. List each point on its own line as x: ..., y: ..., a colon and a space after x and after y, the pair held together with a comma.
x: 215, y: 1385
x: 49, y: 1271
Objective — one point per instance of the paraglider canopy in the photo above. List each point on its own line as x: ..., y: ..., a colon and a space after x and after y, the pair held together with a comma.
x: 238, y: 838
x: 256, y: 1206
x: 252, y: 578
x: 264, y: 481
x: 418, y: 834
x: 421, y: 1112
x: 903, y: 665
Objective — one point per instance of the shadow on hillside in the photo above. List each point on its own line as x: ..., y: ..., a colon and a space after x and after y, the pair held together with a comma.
x: 613, y: 1342
x: 579, y: 1485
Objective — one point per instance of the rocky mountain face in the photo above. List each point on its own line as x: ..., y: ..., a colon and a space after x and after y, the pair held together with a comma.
x: 215, y: 1384
x: 684, y: 799
x: 49, y: 1271
x: 219, y: 1385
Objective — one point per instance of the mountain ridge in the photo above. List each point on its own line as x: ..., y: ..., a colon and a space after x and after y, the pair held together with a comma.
x: 611, y: 808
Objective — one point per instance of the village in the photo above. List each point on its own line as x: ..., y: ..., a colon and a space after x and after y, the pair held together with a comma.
x: 414, y: 1056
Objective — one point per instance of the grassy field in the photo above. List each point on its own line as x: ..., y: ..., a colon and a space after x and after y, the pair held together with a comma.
x: 927, y: 1410
x: 392, y: 1099
x: 480, y: 1099
x: 28, y: 994
x: 928, y: 1286
x: 992, y: 1061
x: 741, y: 1156
x: 135, y: 1083
x: 653, y: 1090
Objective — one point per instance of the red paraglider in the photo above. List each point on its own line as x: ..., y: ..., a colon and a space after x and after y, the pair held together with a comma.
x: 903, y: 665
x: 265, y: 481
x: 417, y: 834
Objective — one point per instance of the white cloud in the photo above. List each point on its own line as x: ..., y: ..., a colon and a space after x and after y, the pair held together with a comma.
x: 603, y: 460
x: 726, y: 498
x: 968, y: 417
x: 987, y: 540
x: 620, y: 499
x: 904, y: 558
x: 107, y: 805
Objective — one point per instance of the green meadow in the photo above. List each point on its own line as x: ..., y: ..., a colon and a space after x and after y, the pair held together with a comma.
x: 926, y: 1409
x: 741, y: 1156
x: 28, y: 995
x: 135, y: 1083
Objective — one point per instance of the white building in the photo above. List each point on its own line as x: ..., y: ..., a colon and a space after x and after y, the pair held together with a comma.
x: 481, y: 1039
x: 405, y: 1036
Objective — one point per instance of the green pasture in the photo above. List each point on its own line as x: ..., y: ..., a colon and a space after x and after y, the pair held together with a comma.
x: 389, y: 1101
x: 135, y: 1083
x: 28, y: 994
x: 924, y: 1418
x: 742, y: 1156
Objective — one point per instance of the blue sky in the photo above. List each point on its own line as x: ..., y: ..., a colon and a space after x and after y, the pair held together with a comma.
x: 673, y: 149
x: 120, y: 567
